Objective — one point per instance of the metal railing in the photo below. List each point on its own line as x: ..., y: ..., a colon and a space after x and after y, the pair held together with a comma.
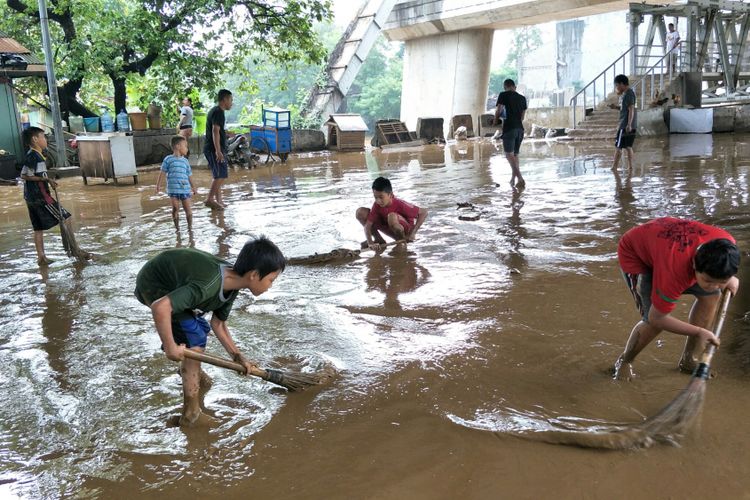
x: 667, y: 66
x: 589, y: 97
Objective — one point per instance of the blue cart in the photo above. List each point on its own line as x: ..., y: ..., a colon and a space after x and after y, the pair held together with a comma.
x: 274, y: 137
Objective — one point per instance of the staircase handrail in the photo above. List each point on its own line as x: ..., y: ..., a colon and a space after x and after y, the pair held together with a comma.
x: 652, y: 71
x: 592, y: 83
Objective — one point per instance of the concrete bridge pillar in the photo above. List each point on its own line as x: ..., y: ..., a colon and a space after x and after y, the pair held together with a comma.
x: 446, y: 75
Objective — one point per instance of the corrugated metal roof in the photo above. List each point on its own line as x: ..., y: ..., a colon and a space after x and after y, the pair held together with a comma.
x: 349, y: 122
x: 8, y: 44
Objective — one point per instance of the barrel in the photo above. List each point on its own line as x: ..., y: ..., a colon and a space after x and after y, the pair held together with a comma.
x: 91, y: 124
x: 138, y: 120
x: 75, y: 123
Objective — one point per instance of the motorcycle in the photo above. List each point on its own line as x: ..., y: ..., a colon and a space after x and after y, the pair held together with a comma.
x: 239, y: 152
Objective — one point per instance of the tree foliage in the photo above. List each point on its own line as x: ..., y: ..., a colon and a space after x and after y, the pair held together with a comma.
x: 525, y: 40
x: 375, y: 93
x: 163, y: 47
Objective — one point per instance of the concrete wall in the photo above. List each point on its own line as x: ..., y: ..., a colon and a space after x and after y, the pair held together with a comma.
x: 308, y: 140
x: 446, y: 75
x: 151, y: 146
x: 651, y: 122
x: 551, y: 117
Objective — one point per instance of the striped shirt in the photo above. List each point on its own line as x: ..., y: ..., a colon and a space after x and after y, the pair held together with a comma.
x: 178, y: 173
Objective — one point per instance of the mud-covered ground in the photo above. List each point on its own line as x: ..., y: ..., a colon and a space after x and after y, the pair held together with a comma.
x: 519, y: 314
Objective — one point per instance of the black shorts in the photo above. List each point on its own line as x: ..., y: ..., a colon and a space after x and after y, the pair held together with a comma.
x: 512, y: 140
x: 624, y: 139
x: 45, y: 216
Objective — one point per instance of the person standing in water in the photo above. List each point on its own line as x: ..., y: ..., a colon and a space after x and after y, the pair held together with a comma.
x: 44, y: 211
x: 514, y: 105
x: 627, y: 121
x: 216, y: 148
x: 180, y: 187
x: 664, y: 259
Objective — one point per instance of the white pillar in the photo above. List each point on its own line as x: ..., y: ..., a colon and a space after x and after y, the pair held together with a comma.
x: 446, y: 75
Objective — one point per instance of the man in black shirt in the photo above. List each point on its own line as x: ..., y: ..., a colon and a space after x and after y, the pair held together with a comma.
x: 514, y: 105
x: 216, y: 148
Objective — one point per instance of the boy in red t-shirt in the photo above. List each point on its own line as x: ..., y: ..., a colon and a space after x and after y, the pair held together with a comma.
x: 660, y: 261
x: 389, y: 215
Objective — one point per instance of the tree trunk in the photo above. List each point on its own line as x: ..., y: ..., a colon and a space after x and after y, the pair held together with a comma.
x: 69, y: 104
x: 121, y: 92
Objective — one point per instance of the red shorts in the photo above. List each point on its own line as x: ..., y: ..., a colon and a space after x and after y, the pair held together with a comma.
x: 383, y: 228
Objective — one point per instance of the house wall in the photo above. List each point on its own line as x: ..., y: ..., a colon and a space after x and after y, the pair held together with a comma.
x: 10, y: 129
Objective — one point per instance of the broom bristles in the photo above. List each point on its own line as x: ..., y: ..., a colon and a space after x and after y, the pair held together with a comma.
x: 71, y: 246
x: 669, y: 426
x: 299, y: 381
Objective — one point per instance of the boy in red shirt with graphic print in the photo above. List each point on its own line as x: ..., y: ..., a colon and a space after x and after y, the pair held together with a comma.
x: 389, y: 215
x: 666, y: 258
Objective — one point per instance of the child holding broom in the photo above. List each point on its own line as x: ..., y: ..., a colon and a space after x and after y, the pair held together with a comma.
x: 389, y: 215
x: 180, y: 185
x: 666, y: 258
x: 181, y: 285
x: 44, y: 211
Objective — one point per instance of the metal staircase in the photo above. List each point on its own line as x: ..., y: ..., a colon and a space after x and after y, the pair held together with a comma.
x: 347, y: 58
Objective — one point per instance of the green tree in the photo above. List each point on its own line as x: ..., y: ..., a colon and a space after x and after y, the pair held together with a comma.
x: 525, y: 40
x: 272, y: 85
x: 178, y: 43
x: 498, y: 76
x: 376, y: 92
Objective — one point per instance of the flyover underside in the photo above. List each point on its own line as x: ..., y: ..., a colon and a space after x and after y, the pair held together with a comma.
x: 446, y: 75
x: 420, y: 18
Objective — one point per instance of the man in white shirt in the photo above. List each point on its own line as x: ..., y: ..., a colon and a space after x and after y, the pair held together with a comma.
x: 673, y: 42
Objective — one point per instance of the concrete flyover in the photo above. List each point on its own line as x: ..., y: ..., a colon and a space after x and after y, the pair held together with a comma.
x: 448, y: 47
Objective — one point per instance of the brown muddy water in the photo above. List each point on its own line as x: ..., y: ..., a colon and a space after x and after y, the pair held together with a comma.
x: 505, y: 323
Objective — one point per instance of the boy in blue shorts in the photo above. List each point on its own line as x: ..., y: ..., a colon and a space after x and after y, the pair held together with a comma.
x: 180, y: 185
x: 182, y: 284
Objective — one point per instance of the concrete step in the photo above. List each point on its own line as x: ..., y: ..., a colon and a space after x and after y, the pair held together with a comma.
x: 600, y: 133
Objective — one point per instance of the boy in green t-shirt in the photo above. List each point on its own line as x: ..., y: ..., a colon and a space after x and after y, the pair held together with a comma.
x: 183, y: 284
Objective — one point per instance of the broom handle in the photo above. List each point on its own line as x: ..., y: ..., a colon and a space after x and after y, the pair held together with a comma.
x: 708, y: 352
x: 57, y: 199
x: 223, y: 363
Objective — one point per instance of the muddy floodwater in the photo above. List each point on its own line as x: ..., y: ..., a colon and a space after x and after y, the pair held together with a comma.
x: 513, y: 319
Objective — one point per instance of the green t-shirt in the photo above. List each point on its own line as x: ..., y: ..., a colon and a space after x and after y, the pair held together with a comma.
x: 192, y: 279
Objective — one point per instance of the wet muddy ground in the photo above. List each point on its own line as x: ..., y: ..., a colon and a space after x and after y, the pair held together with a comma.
x: 518, y: 314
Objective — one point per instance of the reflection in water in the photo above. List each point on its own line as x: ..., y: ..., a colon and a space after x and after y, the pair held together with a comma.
x: 625, y: 199
x: 62, y: 303
x: 686, y: 145
x: 515, y: 233
x: 190, y: 240
x: 218, y: 218
x: 394, y: 276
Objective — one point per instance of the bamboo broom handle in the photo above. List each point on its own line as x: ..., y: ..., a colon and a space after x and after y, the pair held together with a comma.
x: 223, y: 363
x: 710, y: 350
